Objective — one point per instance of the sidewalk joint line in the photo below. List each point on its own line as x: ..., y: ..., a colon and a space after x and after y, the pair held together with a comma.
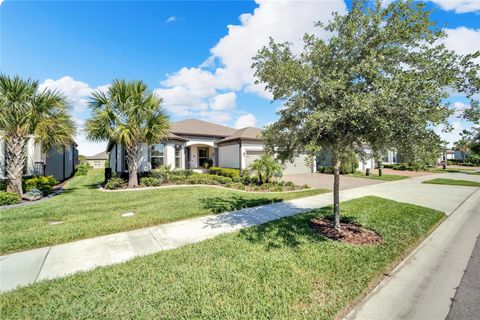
x: 156, y: 240
x: 43, y: 263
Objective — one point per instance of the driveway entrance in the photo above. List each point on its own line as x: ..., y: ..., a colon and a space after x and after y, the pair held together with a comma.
x: 325, y: 181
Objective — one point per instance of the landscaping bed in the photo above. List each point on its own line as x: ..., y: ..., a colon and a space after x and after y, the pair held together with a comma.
x: 282, y: 269
x: 82, y: 211
x: 35, y: 188
x: 453, y: 182
x: 227, y: 178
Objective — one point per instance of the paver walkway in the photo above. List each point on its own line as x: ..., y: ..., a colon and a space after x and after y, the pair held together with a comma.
x: 23, y: 268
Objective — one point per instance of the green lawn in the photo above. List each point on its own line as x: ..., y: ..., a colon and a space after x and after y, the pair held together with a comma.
x: 87, y: 212
x: 453, y: 182
x: 475, y: 173
x: 451, y: 170
x: 279, y: 270
x: 375, y: 176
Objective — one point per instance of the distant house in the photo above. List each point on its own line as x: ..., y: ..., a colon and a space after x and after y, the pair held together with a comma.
x: 98, y: 160
x: 390, y: 157
x: 192, y: 143
x: 58, y: 162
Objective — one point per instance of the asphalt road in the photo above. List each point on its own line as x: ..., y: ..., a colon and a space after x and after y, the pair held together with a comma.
x: 466, y: 304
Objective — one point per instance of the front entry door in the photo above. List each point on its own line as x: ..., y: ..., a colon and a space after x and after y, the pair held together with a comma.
x: 202, y: 156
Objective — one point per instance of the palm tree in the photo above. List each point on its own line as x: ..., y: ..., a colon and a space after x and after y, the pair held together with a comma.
x: 27, y: 112
x: 265, y: 168
x: 128, y: 113
x: 463, y: 146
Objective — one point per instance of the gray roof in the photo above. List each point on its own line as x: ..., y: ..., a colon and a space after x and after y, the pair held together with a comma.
x: 248, y: 133
x: 99, y: 156
x: 200, y: 128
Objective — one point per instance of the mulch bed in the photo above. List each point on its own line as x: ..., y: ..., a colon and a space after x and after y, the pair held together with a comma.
x: 349, y: 232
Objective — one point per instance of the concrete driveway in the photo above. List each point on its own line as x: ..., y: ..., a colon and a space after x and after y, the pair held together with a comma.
x: 325, y: 181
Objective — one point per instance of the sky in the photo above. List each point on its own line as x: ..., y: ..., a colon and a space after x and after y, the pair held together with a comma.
x: 196, y: 55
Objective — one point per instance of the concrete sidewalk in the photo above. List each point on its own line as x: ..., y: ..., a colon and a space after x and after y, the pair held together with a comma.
x: 23, y: 268
x: 424, y: 285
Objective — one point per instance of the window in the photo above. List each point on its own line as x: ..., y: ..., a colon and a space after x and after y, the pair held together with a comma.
x: 157, y: 152
x: 96, y: 163
x: 178, y: 156
x: 385, y: 157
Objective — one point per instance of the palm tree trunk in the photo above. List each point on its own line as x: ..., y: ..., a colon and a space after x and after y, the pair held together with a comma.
x: 131, y: 155
x: 16, y: 159
x: 336, y: 193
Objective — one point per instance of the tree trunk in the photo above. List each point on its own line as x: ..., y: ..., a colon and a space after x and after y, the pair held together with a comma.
x: 336, y: 193
x: 131, y: 155
x: 16, y: 159
x: 380, y: 165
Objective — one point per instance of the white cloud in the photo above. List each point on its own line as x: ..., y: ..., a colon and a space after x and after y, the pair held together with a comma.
x: 190, y: 90
x: 462, y: 40
x: 171, y: 19
x: 1, y: 2
x: 218, y: 117
x: 224, y: 101
x: 247, y: 120
x: 77, y: 93
x: 459, y: 6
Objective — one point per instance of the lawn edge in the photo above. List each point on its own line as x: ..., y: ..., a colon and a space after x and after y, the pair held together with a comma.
x: 5, y: 253
x: 360, y: 300
x: 100, y: 188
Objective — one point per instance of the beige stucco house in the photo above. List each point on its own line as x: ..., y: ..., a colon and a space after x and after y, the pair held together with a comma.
x: 193, y: 142
x: 98, y: 160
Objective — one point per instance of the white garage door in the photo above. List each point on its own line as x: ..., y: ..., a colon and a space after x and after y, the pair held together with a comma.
x: 298, y: 166
x: 252, y: 155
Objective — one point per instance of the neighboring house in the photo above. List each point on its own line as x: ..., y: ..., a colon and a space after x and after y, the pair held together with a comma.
x: 191, y: 143
x: 59, y: 163
x: 451, y: 155
x: 98, y: 160
x: 324, y: 158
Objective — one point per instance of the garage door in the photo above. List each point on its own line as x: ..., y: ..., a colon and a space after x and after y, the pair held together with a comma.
x: 298, y: 166
x: 252, y: 155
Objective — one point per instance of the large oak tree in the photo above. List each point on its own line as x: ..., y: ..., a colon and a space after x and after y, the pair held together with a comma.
x: 381, y: 80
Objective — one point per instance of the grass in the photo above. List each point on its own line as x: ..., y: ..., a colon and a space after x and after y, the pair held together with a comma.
x: 451, y: 170
x: 87, y: 212
x: 375, y: 176
x: 453, y: 182
x: 279, y: 270
x: 475, y: 173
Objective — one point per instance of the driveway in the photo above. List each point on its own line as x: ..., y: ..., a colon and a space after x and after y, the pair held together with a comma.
x: 325, y: 181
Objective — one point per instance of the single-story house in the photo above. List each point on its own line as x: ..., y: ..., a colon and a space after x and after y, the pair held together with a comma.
x: 324, y: 158
x: 97, y: 160
x: 59, y: 163
x: 192, y: 143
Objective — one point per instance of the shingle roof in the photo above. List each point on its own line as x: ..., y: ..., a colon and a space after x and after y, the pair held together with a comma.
x: 99, y: 156
x: 200, y: 128
x: 248, y: 133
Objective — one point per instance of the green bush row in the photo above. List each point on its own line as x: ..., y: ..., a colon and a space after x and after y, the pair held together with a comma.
x: 226, y: 172
x: 8, y: 198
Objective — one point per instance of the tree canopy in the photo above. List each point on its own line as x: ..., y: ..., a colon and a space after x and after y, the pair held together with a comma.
x: 382, y: 79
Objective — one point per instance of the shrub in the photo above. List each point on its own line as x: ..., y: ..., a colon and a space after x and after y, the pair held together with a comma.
x: 8, y: 198
x: 279, y: 188
x: 150, y: 181
x: 349, y: 164
x: 289, y: 184
x: 182, y: 173
x: 115, y: 182
x: 3, y: 185
x: 226, y: 172
x: 82, y: 169
x: 43, y: 183
x: 163, y: 172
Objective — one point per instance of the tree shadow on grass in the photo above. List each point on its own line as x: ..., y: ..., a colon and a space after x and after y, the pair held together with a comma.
x: 223, y: 204
x: 288, y: 232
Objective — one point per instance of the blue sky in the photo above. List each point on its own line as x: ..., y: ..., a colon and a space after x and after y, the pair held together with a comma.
x: 195, y: 54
